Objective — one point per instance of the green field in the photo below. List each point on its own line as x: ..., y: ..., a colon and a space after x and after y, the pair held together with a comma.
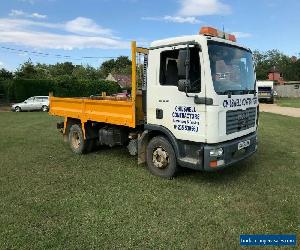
x: 288, y: 102
x: 51, y: 198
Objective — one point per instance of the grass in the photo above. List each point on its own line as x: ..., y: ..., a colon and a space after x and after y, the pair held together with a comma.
x: 288, y: 102
x: 51, y: 198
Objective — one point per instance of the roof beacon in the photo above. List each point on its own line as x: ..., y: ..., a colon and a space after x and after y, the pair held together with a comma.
x: 209, y: 31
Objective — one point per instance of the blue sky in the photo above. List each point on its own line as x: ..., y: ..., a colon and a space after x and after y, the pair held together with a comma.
x: 61, y: 30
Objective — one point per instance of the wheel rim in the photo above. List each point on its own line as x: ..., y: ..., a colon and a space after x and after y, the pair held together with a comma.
x: 17, y: 109
x: 44, y: 108
x: 160, y: 158
x: 75, y: 140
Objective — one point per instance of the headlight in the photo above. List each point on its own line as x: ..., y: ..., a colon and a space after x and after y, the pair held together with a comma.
x: 216, y: 152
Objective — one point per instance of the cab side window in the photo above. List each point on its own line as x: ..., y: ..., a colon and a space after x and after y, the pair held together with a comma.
x: 169, y: 69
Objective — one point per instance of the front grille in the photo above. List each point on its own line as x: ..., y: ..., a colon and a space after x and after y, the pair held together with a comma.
x: 238, y: 120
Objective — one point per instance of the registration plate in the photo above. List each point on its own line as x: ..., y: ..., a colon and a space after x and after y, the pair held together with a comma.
x: 243, y: 144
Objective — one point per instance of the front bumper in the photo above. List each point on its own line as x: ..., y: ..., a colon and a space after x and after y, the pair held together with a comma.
x: 231, y: 154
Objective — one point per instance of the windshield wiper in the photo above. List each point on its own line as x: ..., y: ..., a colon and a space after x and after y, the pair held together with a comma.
x: 231, y: 92
x: 248, y: 91
x: 236, y: 92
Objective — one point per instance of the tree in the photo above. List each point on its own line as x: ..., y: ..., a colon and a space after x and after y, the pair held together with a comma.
x: 26, y: 71
x: 122, y: 65
x: 107, y: 67
x: 61, y: 69
x: 5, y: 75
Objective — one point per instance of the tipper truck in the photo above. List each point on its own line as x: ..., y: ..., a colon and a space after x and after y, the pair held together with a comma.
x: 197, y: 106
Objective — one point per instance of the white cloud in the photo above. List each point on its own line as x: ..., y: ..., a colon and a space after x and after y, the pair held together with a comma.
x: 17, y: 13
x: 191, y: 9
x: 1, y: 64
x: 82, y: 25
x: 239, y: 34
x: 174, y: 19
x: 57, y: 41
x: 37, y: 15
x: 203, y: 7
x: 28, y: 1
x: 58, y: 35
x: 21, y: 13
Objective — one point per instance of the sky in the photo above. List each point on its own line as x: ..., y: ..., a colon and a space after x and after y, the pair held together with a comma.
x: 92, y: 31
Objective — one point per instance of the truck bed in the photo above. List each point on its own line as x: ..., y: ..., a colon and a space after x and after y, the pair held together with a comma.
x: 111, y: 110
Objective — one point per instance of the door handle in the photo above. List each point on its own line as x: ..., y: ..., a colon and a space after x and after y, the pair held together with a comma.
x: 159, y: 113
x: 203, y: 100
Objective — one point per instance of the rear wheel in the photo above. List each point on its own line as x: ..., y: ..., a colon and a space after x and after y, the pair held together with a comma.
x: 76, y: 140
x: 45, y: 108
x: 161, y: 158
x: 18, y: 109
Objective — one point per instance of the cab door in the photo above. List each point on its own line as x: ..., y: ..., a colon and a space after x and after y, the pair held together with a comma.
x: 166, y: 105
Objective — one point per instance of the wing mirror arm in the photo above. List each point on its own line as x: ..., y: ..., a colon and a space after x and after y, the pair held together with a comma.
x: 184, y: 70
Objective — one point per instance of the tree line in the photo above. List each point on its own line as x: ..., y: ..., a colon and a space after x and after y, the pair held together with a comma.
x: 67, y: 70
x: 64, y: 79
x: 264, y: 61
x: 288, y: 66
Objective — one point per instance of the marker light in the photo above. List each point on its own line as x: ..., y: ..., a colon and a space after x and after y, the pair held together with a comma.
x: 215, y: 164
x: 209, y: 31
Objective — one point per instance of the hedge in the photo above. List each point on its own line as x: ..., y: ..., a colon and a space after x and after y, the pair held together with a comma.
x: 21, y: 89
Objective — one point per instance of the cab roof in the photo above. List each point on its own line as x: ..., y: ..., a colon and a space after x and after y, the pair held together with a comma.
x: 183, y: 39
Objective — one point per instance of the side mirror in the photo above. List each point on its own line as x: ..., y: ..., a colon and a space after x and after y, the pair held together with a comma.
x: 183, y: 66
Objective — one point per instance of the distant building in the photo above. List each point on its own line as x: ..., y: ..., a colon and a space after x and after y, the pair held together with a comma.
x: 275, y: 75
x: 123, y: 80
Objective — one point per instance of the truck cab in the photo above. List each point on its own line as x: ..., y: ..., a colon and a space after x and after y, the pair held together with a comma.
x: 201, y: 96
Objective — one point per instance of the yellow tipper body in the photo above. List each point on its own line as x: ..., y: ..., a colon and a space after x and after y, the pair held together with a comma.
x: 124, y: 111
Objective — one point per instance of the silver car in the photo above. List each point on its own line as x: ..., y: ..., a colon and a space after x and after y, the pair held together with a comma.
x: 32, y: 103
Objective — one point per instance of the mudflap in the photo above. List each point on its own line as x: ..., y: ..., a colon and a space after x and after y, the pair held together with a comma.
x: 142, y: 146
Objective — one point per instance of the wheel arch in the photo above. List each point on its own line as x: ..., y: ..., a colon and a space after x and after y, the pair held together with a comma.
x: 150, y: 132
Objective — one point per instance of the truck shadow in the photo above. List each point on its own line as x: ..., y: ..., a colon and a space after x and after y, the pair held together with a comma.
x: 229, y: 174
x: 226, y: 175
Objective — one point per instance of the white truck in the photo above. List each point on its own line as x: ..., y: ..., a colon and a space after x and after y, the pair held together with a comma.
x: 198, y: 108
x: 266, y: 91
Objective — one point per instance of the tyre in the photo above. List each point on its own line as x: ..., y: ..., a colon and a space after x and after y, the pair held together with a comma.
x: 161, y: 158
x: 18, y: 109
x: 45, y: 108
x: 76, y: 140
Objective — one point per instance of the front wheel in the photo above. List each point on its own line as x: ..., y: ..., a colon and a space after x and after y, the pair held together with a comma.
x: 161, y: 158
x: 18, y: 109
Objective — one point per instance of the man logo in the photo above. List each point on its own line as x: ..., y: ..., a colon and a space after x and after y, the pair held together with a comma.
x: 225, y: 104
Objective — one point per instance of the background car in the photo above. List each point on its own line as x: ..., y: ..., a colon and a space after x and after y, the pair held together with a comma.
x: 32, y: 103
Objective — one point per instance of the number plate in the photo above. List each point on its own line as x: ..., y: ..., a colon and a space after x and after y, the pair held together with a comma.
x: 243, y: 144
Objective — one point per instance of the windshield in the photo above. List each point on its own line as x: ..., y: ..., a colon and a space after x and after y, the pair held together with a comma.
x: 231, y: 68
x: 264, y: 89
